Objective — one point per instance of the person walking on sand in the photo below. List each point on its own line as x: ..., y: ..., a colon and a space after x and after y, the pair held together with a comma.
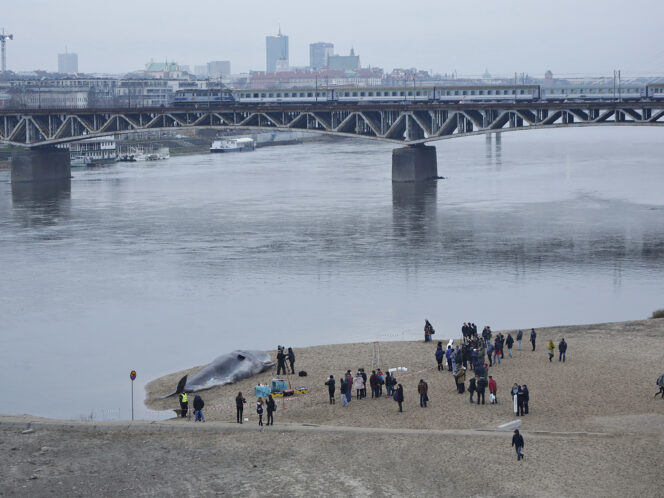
x: 239, y: 406
x: 517, y: 442
x: 291, y: 360
x: 519, y: 338
x: 509, y: 342
x: 472, y: 388
x: 481, y: 386
x: 259, y: 411
x: 533, y: 337
x: 330, y: 388
x: 198, y: 409
x: 493, y: 388
x: 562, y: 349
x: 550, y: 348
x: 423, y: 389
x: 184, y: 405
x: 271, y: 408
x: 399, y: 394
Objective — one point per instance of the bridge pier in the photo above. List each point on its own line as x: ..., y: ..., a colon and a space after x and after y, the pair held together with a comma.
x: 414, y: 164
x: 40, y: 164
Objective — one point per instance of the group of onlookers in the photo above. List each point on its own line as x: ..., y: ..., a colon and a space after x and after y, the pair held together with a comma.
x: 359, y: 382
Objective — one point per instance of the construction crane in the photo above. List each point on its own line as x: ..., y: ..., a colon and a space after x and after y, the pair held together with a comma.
x: 3, y: 42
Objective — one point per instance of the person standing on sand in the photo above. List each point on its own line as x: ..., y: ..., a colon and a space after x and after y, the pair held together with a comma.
x: 460, y: 379
x: 239, y: 406
x: 184, y: 404
x: 389, y: 383
x: 517, y: 442
x: 440, y: 354
x: 259, y: 411
x: 400, y: 396
x: 509, y: 342
x: 520, y: 396
x: 364, y: 382
x: 271, y: 408
x: 493, y: 388
x: 349, y: 386
x: 471, y: 388
x: 198, y: 409
x: 660, y: 383
x: 562, y: 349
x: 533, y: 337
x: 519, y: 338
x: 380, y: 379
x: 526, y: 398
x: 330, y: 388
x: 550, y: 349
x: 489, y: 353
x: 373, y: 384
x: 343, y: 388
x: 423, y: 389
x: 291, y: 360
x: 281, y: 361
x: 359, y: 385
x: 481, y: 386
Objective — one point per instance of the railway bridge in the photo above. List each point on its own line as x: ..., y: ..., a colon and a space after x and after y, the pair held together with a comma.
x: 411, y: 125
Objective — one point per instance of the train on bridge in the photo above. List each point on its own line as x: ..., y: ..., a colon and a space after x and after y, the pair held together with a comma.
x: 449, y: 94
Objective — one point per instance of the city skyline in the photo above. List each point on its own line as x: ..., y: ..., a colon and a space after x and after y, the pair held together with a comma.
x: 505, y: 38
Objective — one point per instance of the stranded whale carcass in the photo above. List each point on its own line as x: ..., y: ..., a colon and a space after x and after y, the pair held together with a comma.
x: 226, y: 369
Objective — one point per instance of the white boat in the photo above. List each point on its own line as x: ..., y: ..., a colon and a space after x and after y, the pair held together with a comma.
x: 93, y: 151
x: 240, y: 144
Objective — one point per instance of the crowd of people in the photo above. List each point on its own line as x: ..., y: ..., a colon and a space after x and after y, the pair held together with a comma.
x: 358, y: 382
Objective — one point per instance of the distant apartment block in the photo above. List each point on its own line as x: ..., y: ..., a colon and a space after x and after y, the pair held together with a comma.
x: 201, y: 71
x: 68, y: 63
x: 319, y: 53
x: 344, y: 62
x: 276, y: 49
x: 218, y: 69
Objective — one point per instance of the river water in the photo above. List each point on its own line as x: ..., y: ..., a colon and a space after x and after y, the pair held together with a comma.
x: 161, y: 266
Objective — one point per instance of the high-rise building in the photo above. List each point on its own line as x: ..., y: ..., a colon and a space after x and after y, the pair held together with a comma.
x: 201, y: 71
x: 276, y: 49
x: 218, y: 69
x: 68, y: 63
x: 318, y: 54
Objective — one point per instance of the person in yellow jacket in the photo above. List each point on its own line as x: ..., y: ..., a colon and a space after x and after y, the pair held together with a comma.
x: 184, y: 404
x: 550, y: 348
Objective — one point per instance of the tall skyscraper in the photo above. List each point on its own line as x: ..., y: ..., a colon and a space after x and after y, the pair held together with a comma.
x: 276, y: 49
x: 318, y: 54
x: 68, y: 63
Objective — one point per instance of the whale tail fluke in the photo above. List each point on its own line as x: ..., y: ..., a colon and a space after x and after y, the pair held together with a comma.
x: 179, y: 389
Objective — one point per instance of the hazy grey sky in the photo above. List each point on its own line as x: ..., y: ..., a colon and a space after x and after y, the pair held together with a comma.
x: 566, y: 36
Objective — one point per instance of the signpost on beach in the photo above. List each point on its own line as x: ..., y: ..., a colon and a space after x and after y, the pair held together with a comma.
x: 132, y: 376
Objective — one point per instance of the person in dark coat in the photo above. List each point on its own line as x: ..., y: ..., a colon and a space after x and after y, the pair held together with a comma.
x: 533, y: 337
x: 330, y: 388
x: 363, y: 374
x: 198, y: 409
x: 519, y: 401
x: 423, y: 389
x: 400, y: 396
x: 472, y: 388
x: 510, y: 342
x: 281, y: 361
x: 562, y: 349
x: 440, y: 355
x: 291, y: 360
x: 519, y: 337
x: 526, y: 398
x: 389, y: 383
x: 373, y: 383
x: 517, y: 442
x: 343, y: 387
x: 271, y: 408
x: 239, y: 406
x: 259, y: 411
x: 481, y: 387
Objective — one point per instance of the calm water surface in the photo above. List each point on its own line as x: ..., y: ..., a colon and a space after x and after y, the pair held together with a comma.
x: 161, y: 266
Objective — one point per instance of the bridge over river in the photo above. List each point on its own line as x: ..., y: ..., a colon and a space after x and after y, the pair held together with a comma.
x: 409, y: 124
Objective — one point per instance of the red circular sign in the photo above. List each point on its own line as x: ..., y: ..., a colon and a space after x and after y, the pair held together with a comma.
x: 132, y: 375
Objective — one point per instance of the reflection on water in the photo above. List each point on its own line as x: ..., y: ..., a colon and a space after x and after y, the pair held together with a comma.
x: 160, y: 267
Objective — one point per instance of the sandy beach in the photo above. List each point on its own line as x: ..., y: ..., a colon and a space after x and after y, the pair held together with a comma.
x: 593, y: 429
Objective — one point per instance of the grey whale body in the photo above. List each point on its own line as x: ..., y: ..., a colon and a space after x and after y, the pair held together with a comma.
x: 226, y: 369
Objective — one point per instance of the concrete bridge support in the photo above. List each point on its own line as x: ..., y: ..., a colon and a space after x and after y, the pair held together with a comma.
x: 40, y: 164
x: 414, y: 164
